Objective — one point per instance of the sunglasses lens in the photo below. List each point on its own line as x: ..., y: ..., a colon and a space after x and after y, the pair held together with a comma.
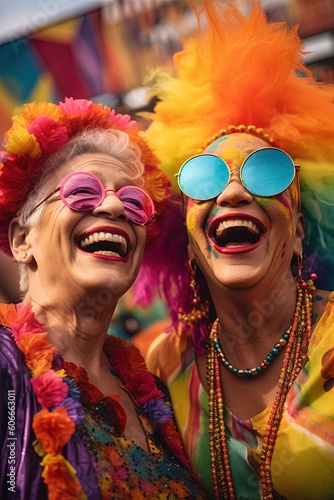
x: 81, y: 192
x: 138, y: 205
x: 203, y: 177
x: 267, y: 172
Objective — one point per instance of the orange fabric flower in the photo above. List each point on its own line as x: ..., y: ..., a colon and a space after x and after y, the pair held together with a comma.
x: 38, y: 351
x: 34, y: 110
x: 156, y: 184
x: 181, y: 490
x: 53, y: 429
x: 7, y: 314
x: 60, y: 477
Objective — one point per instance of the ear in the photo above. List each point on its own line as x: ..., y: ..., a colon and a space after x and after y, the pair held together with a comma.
x: 19, y: 245
x: 299, y: 234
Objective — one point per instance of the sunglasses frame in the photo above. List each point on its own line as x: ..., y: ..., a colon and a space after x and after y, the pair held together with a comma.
x: 295, y: 175
x: 104, y: 192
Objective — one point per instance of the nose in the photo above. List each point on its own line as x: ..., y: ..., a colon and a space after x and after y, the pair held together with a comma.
x: 111, y: 207
x: 234, y: 193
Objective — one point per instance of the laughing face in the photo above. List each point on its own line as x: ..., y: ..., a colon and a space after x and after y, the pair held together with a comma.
x: 239, y: 239
x: 97, y: 251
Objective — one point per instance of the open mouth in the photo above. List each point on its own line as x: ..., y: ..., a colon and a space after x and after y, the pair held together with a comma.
x: 103, y: 243
x: 231, y: 233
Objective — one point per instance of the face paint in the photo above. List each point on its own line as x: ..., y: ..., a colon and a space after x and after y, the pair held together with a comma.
x: 238, y: 237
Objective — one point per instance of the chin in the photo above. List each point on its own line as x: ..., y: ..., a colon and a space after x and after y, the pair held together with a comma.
x: 110, y: 284
x: 239, y: 277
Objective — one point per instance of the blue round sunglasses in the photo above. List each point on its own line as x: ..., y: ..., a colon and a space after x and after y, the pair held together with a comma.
x: 265, y: 172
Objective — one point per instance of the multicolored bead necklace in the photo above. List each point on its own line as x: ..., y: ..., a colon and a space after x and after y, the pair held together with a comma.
x: 294, y: 358
x: 250, y: 372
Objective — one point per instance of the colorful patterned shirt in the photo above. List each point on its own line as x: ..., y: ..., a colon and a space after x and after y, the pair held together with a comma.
x: 108, y: 465
x: 303, y: 460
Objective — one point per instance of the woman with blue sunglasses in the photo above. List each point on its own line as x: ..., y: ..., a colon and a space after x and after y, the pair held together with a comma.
x: 246, y: 134
x: 81, y: 417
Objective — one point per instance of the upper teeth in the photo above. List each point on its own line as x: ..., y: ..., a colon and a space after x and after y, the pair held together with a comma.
x: 102, y: 236
x: 225, y: 224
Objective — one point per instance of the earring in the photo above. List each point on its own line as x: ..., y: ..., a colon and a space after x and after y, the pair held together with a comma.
x: 24, y: 256
x: 199, y: 310
x: 308, y: 283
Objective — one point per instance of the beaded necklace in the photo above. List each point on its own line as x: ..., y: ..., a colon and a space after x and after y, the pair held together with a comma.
x: 294, y: 359
x: 250, y: 372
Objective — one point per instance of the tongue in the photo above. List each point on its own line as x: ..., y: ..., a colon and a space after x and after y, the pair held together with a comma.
x: 239, y: 244
x: 107, y: 252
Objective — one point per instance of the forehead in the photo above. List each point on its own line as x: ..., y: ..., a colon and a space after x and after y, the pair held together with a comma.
x: 104, y: 166
x: 235, y: 144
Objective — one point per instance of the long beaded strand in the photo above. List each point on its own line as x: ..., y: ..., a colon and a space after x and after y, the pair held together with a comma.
x: 294, y: 359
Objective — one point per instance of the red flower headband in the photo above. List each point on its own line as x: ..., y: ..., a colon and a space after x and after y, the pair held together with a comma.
x: 44, y: 128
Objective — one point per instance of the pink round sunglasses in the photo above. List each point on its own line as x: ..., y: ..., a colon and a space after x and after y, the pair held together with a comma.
x: 83, y: 192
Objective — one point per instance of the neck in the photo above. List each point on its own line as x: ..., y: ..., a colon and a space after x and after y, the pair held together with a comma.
x: 248, y: 316
x: 77, y: 331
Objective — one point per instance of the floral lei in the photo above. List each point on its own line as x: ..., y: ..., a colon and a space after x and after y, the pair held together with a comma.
x: 55, y: 384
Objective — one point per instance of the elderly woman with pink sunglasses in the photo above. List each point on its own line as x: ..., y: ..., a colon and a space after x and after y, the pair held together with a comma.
x: 81, y: 417
x: 246, y: 133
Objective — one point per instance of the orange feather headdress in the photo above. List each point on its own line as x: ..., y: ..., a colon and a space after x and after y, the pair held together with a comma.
x: 245, y: 70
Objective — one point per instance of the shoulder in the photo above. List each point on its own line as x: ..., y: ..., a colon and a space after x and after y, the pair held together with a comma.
x: 320, y: 301
x: 322, y: 338
x: 169, y: 352
x: 11, y: 358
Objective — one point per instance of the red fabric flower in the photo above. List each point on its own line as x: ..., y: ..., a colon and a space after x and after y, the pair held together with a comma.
x: 16, y: 181
x: 143, y: 387
x: 77, y: 373
x: 80, y: 113
x: 50, y: 135
x: 49, y: 388
x: 25, y: 314
x: 125, y: 357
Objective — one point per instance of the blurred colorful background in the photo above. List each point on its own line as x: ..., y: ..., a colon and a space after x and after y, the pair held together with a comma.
x: 50, y: 49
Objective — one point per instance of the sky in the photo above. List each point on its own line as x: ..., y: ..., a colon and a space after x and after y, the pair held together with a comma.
x: 21, y: 18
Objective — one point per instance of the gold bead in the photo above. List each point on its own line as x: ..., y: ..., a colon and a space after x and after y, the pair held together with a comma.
x: 241, y: 128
